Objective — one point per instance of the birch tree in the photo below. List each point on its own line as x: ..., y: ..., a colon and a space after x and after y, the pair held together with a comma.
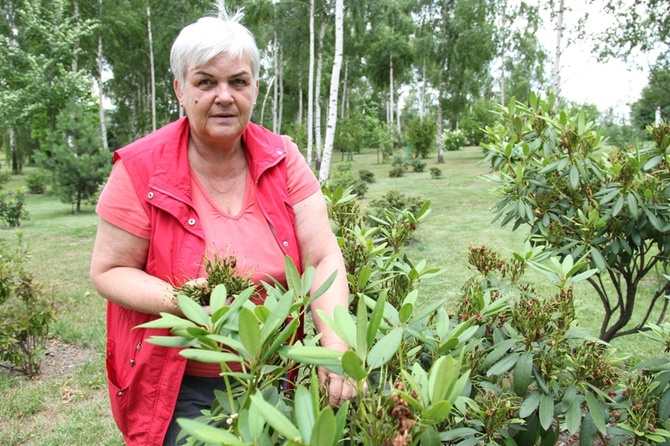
x: 334, y: 92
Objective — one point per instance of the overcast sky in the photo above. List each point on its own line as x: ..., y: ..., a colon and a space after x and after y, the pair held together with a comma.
x: 614, y: 84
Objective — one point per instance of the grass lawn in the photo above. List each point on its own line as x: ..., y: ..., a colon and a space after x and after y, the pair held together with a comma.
x: 72, y: 408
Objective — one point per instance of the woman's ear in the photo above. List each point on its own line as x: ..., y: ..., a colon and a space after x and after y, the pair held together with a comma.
x: 178, y: 92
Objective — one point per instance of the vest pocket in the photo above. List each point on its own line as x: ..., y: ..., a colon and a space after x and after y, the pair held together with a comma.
x: 118, y: 388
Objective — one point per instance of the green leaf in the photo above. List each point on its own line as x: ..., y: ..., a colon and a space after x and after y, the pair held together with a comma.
x: 631, y: 201
x: 209, y: 434
x: 531, y: 433
x: 363, y: 277
x: 618, y: 206
x: 292, y: 277
x: 304, y: 412
x: 546, y: 411
x: 167, y: 320
x: 376, y: 319
x: 598, y: 259
x: 574, y: 177
x: 523, y: 373
x: 342, y: 324
x: 209, y: 356
x: 405, y: 312
x: 437, y: 412
x: 324, y: 432
x: 443, y: 374
x: 664, y: 406
x: 275, y: 418
x: 530, y: 404
x: 280, y: 339
x: 172, y: 341
x: 503, y: 365
x: 362, y: 329
x: 351, y: 364
x: 385, y: 348
x: 587, y: 433
x: 573, y: 414
x: 250, y: 333
x: 597, y: 413
x: 218, y: 298
x: 192, y: 310
x: 314, y: 355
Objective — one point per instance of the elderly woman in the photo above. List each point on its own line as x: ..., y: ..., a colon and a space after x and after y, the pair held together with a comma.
x: 210, y: 182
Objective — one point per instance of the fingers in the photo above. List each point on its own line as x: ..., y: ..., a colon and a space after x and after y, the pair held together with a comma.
x: 340, y: 389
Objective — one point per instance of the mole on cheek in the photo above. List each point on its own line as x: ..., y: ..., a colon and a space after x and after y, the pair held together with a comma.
x: 196, y: 101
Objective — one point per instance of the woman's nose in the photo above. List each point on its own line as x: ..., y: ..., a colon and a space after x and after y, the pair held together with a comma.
x: 223, y: 93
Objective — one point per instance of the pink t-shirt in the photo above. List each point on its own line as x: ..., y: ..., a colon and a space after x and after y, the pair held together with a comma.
x: 246, y: 235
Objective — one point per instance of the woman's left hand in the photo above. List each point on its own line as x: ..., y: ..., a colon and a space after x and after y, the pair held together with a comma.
x: 340, y: 388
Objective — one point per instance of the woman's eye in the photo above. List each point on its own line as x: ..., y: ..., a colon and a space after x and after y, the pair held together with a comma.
x: 205, y: 82
x: 238, y: 82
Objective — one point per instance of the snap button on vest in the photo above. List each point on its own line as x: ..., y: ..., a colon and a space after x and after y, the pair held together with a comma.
x: 191, y: 221
x: 150, y: 195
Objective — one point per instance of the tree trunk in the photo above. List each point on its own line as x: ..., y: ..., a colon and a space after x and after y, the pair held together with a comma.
x: 275, y: 89
x: 345, y: 90
x: 280, y: 115
x: 12, y: 151
x: 556, y: 72
x: 265, y: 99
x: 334, y: 92
x: 440, y: 140
x: 152, y: 68
x: 310, y: 86
x: 391, y: 104
x: 318, y: 144
x: 101, y: 98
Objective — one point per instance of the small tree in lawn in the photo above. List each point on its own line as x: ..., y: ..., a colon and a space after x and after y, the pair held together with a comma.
x: 79, y: 163
x: 421, y: 136
x: 579, y: 198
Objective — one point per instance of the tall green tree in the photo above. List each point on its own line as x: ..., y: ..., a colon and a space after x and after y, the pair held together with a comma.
x: 79, y: 163
x: 39, y: 72
x: 655, y: 98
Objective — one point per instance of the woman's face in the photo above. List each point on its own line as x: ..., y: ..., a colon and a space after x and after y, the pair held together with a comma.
x: 218, y: 98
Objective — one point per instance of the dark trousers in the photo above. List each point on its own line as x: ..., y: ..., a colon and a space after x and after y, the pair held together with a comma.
x: 195, y: 395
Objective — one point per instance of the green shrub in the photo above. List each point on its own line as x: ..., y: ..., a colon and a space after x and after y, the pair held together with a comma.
x: 580, y: 198
x: 435, y: 173
x: 510, y: 367
x: 366, y: 175
x: 26, y: 311
x: 454, y: 140
x: 421, y: 136
x: 37, y: 181
x: 417, y: 165
x: 344, y: 177
x: 5, y: 176
x: 12, y: 208
x: 397, y: 172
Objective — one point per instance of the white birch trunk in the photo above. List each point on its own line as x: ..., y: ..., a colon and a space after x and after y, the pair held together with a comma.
x: 275, y: 90
x: 101, y: 98
x: 440, y: 140
x: 556, y: 72
x: 391, y: 104
x: 300, y: 99
x: 310, y: 86
x: 265, y: 99
x: 334, y: 91
x: 318, y: 144
x: 153, y: 69
x: 12, y: 151
x: 280, y: 113
x: 345, y: 90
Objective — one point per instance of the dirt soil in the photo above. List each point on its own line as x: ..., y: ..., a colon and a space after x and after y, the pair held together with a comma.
x: 60, y: 359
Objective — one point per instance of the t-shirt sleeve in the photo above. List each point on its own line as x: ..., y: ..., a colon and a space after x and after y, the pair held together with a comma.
x: 119, y: 205
x: 300, y: 180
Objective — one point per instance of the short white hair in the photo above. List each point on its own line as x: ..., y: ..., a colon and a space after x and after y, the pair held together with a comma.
x: 209, y: 37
